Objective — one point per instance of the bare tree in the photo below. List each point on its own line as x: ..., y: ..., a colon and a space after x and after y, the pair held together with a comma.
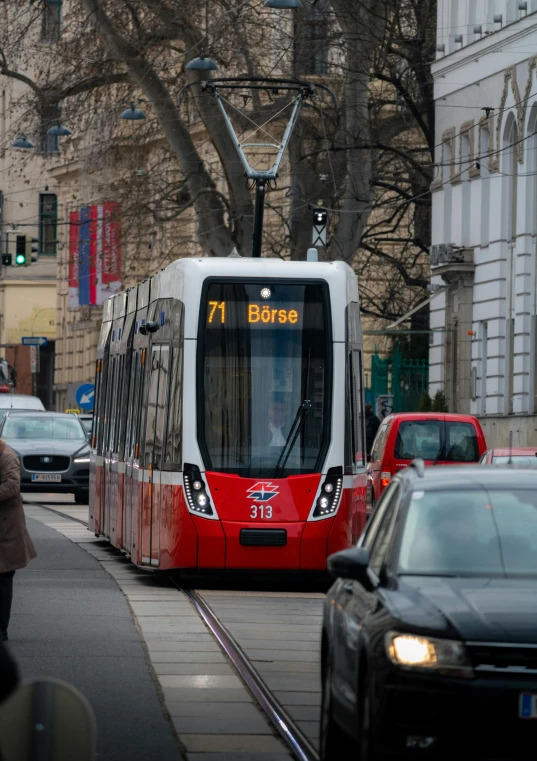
x: 369, y: 160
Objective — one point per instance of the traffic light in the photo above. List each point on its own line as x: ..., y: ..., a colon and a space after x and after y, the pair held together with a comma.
x: 20, y: 250
x: 31, y: 249
x: 7, y: 260
x: 320, y: 222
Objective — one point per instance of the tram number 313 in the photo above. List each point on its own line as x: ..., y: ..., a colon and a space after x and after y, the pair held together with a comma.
x: 264, y: 512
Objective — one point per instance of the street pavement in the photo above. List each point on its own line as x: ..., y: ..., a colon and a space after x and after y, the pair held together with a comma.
x: 71, y: 621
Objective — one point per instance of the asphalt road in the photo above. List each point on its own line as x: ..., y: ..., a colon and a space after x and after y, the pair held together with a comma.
x: 71, y: 621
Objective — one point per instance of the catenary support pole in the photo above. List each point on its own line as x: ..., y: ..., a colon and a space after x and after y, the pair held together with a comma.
x: 257, y: 237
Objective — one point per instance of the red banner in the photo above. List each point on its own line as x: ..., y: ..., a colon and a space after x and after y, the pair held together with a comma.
x: 111, y: 243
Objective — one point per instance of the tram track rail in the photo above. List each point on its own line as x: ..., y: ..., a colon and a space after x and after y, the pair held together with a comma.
x: 278, y: 718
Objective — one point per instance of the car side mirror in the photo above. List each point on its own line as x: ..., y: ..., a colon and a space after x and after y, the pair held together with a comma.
x: 351, y: 564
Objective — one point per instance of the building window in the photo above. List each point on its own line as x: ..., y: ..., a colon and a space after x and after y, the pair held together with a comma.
x: 48, y: 224
x: 315, y: 41
x: 50, y: 116
x: 52, y: 17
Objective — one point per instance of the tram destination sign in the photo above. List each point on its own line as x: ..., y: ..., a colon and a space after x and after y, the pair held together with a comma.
x: 243, y: 314
x: 259, y: 306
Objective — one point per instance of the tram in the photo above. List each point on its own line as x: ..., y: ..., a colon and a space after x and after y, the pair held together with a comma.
x: 229, y: 428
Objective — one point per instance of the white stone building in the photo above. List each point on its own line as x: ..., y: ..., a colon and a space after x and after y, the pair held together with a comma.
x: 484, y: 312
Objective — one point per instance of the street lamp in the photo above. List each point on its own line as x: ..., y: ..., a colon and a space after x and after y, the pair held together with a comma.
x: 23, y: 142
x: 283, y: 5
x: 201, y: 64
x: 133, y: 114
x: 59, y: 131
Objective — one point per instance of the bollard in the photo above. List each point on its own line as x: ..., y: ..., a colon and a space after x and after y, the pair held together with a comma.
x: 47, y: 720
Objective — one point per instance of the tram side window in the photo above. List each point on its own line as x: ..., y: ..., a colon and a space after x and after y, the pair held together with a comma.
x: 162, y: 405
x: 116, y: 386
x: 350, y: 448
x: 127, y: 388
x: 172, y: 460
x: 137, y: 372
x: 108, y: 404
x: 98, y: 393
x: 152, y: 401
x: 357, y: 409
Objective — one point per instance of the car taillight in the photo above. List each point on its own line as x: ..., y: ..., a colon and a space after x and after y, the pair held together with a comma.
x: 385, y: 478
x: 195, y: 491
x: 328, y: 499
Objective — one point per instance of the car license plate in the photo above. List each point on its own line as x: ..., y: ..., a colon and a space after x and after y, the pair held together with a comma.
x: 528, y: 706
x: 46, y: 477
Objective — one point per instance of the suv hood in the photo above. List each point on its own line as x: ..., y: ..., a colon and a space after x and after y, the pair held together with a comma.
x: 68, y: 448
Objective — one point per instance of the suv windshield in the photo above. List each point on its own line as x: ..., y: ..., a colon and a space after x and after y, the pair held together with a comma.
x: 263, y: 366
x: 437, y: 440
x: 43, y: 427
x: 470, y: 532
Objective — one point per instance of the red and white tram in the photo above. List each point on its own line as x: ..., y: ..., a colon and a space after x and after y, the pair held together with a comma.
x: 229, y: 425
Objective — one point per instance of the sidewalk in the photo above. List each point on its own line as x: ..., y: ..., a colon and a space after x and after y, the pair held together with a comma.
x: 71, y: 621
x: 212, y: 712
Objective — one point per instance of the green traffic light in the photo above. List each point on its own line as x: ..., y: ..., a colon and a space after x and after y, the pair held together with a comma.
x: 20, y: 259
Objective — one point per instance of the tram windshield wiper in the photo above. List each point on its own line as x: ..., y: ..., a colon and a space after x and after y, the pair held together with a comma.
x: 298, y: 424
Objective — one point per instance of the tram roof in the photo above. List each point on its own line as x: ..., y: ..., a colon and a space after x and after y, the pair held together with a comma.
x: 183, y: 279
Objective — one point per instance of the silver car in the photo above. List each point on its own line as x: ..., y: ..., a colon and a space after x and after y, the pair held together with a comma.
x: 53, y: 449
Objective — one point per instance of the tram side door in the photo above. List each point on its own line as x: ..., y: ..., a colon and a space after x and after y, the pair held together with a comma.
x: 157, y: 401
x: 107, y: 447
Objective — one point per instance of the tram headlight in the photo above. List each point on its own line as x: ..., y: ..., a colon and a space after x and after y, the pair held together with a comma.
x: 328, y: 500
x: 195, y: 491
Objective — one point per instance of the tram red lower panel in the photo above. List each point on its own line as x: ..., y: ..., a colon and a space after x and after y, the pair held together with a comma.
x: 166, y: 535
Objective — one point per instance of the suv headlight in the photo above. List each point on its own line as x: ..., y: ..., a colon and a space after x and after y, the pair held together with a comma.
x: 413, y: 651
x: 84, y: 457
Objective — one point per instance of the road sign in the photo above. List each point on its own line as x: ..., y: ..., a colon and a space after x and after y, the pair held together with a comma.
x: 34, y: 341
x: 85, y: 395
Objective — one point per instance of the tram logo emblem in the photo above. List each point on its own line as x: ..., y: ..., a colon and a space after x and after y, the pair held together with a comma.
x: 262, y: 491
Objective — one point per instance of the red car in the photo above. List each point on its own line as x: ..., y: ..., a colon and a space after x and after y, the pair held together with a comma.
x: 519, y: 456
x: 436, y: 438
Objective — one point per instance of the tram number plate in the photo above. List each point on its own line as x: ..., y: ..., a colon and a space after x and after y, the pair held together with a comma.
x: 46, y: 477
x: 261, y: 512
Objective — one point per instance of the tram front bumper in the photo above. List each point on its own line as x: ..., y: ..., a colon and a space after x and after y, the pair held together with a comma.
x: 278, y: 546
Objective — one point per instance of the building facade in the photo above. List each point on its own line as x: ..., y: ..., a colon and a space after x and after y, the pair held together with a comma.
x: 483, y: 351
x: 28, y: 223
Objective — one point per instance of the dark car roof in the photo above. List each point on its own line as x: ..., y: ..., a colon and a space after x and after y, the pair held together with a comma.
x: 453, y: 477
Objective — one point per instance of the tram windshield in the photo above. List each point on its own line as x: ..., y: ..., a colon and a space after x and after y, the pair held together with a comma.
x: 263, y: 378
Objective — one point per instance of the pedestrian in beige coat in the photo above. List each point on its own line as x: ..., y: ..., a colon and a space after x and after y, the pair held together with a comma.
x: 16, y: 548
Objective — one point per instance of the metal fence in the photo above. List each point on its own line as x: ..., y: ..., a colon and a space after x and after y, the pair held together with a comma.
x: 405, y: 379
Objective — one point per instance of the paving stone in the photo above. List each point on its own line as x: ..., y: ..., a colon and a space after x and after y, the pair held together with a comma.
x: 216, y: 708
x: 283, y: 655
x: 310, y: 728
x: 186, y: 657
x: 238, y: 756
x: 295, y: 682
x: 286, y: 667
x: 230, y: 743
x: 202, y: 681
x: 191, y: 646
x: 289, y: 699
x: 162, y: 669
x: 175, y: 636
x: 195, y: 695
x: 304, y: 713
x: 210, y: 723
